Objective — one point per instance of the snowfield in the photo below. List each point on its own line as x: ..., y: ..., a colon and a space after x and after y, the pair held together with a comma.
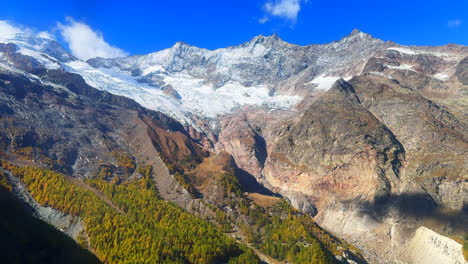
x: 197, y: 97
x: 324, y: 83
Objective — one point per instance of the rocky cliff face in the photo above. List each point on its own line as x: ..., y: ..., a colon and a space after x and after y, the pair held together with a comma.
x: 335, y: 146
x: 430, y: 133
x: 462, y: 72
x: 369, y: 165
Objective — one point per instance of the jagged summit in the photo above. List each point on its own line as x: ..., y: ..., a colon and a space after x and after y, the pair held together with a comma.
x: 273, y: 37
x: 259, y: 39
x: 183, y: 44
x: 265, y: 40
x: 358, y: 34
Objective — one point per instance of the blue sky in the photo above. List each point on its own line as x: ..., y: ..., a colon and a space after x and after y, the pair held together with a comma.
x: 138, y: 27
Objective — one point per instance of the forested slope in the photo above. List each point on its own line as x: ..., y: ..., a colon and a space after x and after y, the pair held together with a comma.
x: 150, y: 231
x: 26, y: 239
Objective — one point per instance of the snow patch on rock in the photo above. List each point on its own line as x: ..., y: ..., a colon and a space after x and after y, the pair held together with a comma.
x: 323, y: 82
x: 401, y: 67
x: 442, y: 76
x: 403, y: 50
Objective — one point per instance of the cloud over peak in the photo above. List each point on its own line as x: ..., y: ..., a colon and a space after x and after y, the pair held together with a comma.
x: 85, y: 43
x: 8, y: 30
x: 285, y: 9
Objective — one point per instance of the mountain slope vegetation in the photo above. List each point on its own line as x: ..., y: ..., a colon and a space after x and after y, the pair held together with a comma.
x: 150, y: 231
x: 27, y: 239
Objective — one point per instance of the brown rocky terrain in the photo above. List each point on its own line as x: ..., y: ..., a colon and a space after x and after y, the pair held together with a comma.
x: 384, y: 152
x: 352, y: 151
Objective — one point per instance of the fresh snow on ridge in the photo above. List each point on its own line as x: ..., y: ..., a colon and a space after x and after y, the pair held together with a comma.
x: 119, y: 83
x: 197, y: 97
x: 403, y: 50
x: 323, y: 82
x: 443, y: 76
x: 401, y: 67
x: 184, y: 81
x: 420, y: 51
x: 40, y: 49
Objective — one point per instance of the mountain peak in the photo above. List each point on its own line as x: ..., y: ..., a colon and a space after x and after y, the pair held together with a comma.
x: 271, y: 37
x: 181, y: 44
x: 184, y: 46
x: 355, y: 32
x: 356, y: 36
x: 266, y: 40
x: 36, y: 46
x: 358, y: 33
x: 274, y: 36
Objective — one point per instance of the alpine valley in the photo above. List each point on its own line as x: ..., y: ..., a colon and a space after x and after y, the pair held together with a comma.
x: 353, y: 151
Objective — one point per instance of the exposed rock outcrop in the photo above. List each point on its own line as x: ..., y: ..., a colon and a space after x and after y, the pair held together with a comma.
x: 68, y: 224
x: 428, y: 247
x: 337, y: 146
x: 462, y: 71
x: 376, y: 159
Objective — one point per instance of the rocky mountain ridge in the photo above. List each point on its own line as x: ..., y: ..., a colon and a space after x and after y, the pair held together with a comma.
x: 368, y: 136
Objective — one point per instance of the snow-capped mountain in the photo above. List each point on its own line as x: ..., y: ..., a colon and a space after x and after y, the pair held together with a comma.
x: 184, y: 81
x: 366, y: 135
x: 47, y: 52
x: 261, y: 64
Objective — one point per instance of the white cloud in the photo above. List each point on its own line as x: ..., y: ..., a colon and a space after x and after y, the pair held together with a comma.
x: 455, y: 23
x: 8, y: 30
x: 263, y: 20
x: 85, y: 43
x: 286, y: 9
